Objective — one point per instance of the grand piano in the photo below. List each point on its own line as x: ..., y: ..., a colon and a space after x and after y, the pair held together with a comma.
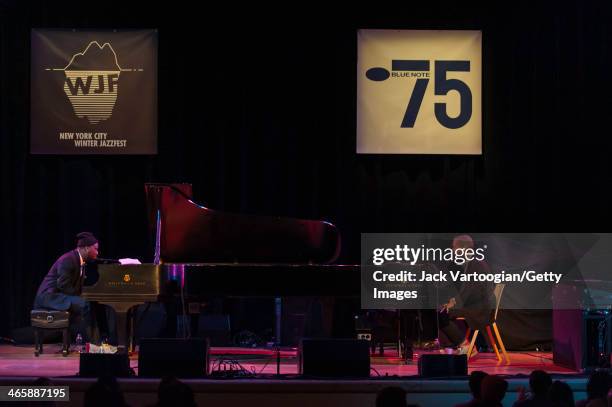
x: 201, y: 252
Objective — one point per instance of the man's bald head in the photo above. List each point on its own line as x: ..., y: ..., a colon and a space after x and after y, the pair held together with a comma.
x: 463, y: 242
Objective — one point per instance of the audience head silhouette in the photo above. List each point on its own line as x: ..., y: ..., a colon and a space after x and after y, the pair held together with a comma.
x: 493, y: 390
x: 560, y: 395
x: 475, y: 382
x: 105, y: 392
x: 539, y: 382
x: 173, y: 392
x: 598, y: 385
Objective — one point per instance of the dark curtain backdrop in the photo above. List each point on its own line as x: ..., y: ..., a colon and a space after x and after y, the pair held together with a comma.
x: 257, y: 111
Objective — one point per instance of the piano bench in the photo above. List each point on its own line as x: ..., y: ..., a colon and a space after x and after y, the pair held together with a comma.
x: 46, y: 320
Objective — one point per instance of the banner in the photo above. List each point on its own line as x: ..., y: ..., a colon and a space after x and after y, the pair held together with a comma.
x: 419, y: 92
x: 93, y: 92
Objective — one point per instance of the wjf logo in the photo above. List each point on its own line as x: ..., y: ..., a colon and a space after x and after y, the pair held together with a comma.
x: 93, y: 92
x: 419, y: 70
x: 419, y: 92
x: 91, y: 81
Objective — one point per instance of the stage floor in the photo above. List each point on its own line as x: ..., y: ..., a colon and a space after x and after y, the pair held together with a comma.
x: 19, y: 366
x: 20, y: 361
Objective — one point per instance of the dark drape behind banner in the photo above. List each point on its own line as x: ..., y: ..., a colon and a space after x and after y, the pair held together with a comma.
x: 93, y: 92
x: 258, y: 113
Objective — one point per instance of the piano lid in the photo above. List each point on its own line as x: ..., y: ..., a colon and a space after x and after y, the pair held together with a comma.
x: 192, y: 233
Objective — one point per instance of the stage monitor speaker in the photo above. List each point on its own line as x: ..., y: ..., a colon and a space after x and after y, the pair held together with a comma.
x: 334, y: 358
x: 158, y: 357
x: 432, y: 365
x: 101, y: 364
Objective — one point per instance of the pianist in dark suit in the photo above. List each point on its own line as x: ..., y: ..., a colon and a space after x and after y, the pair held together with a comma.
x: 61, y: 287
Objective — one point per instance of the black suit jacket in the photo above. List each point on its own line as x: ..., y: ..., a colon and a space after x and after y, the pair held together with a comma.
x: 62, y: 280
x: 475, y: 300
x: 476, y: 294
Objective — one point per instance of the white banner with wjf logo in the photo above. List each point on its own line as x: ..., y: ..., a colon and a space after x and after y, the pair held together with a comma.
x: 93, y: 92
x: 419, y: 92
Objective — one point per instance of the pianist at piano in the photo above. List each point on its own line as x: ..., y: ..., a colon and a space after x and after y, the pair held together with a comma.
x: 61, y: 287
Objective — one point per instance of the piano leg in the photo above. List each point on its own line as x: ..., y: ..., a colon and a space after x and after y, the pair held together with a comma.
x: 122, y: 341
x: 121, y: 318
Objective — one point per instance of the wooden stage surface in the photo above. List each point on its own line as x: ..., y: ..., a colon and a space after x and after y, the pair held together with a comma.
x: 18, y: 365
x: 20, y: 361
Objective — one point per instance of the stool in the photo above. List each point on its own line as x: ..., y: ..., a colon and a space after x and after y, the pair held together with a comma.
x: 46, y: 319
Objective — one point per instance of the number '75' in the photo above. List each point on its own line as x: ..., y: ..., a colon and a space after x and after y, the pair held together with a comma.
x: 442, y: 86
